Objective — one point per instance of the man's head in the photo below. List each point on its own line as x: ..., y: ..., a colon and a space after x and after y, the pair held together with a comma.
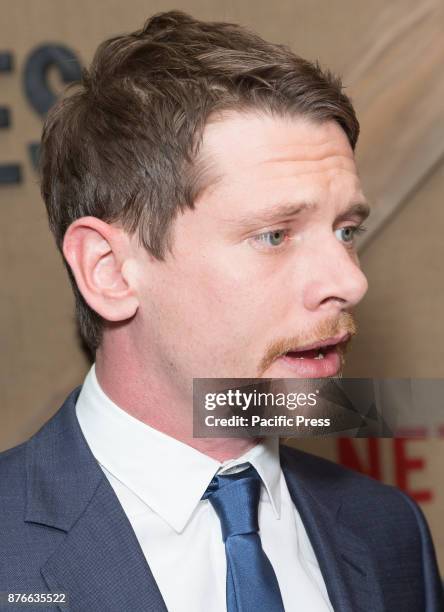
x: 202, y: 186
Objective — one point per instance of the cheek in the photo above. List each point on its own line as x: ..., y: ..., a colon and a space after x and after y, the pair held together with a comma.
x: 252, y: 311
x: 250, y: 291
x: 221, y: 296
x: 223, y: 299
x: 220, y: 306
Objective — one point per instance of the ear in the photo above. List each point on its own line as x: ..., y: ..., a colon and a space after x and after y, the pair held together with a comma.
x: 101, y: 258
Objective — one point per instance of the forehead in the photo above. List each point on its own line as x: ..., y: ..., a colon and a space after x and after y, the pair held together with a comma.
x: 263, y: 154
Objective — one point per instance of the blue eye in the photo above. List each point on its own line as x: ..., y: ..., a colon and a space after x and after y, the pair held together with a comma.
x: 273, y: 238
x: 347, y: 234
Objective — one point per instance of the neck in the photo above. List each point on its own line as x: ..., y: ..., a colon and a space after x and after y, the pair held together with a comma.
x: 143, y: 392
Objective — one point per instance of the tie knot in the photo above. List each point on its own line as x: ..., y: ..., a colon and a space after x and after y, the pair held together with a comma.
x: 235, y: 498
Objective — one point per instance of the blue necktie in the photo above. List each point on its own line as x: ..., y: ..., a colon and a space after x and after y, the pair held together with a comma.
x: 252, y: 585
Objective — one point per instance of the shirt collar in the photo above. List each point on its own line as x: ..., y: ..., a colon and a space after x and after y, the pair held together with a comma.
x: 157, y: 468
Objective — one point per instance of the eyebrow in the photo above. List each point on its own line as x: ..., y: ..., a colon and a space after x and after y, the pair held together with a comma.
x: 290, y: 210
x: 359, y: 209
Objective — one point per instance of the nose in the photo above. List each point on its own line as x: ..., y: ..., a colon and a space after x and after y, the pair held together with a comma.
x: 336, y: 281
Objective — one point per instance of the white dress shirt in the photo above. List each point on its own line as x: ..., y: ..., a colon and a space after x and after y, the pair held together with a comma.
x: 159, y: 482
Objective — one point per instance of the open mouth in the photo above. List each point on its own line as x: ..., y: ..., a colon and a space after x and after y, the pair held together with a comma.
x: 317, y: 360
x: 316, y: 353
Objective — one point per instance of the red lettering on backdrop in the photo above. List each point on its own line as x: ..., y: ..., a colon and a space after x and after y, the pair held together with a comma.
x: 349, y: 457
x: 405, y: 464
x: 371, y: 466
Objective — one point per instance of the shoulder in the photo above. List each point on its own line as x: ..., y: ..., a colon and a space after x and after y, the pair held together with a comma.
x: 359, y: 495
x: 389, y: 523
x: 12, y: 493
x: 12, y: 471
x: 387, y: 518
x: 15, y: 462
x: 328, y: 473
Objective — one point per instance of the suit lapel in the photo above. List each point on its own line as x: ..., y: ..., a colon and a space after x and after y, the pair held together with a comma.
x: 344, y: 558
x: 99, y: 563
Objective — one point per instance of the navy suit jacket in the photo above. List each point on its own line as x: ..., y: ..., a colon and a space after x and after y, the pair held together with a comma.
x: 62, y: 529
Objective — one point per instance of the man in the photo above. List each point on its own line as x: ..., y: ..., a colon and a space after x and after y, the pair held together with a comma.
x: 202, y: 187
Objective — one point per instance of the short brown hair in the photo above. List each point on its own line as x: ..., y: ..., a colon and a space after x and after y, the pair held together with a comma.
x: 124, y: 145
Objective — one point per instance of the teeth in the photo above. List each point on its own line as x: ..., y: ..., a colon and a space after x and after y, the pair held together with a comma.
x: 320, y: 355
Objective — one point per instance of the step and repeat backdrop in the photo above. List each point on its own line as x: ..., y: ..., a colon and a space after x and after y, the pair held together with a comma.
x: 43, y: 47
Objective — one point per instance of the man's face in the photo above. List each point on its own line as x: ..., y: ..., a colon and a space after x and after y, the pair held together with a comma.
x: 265, y: 265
